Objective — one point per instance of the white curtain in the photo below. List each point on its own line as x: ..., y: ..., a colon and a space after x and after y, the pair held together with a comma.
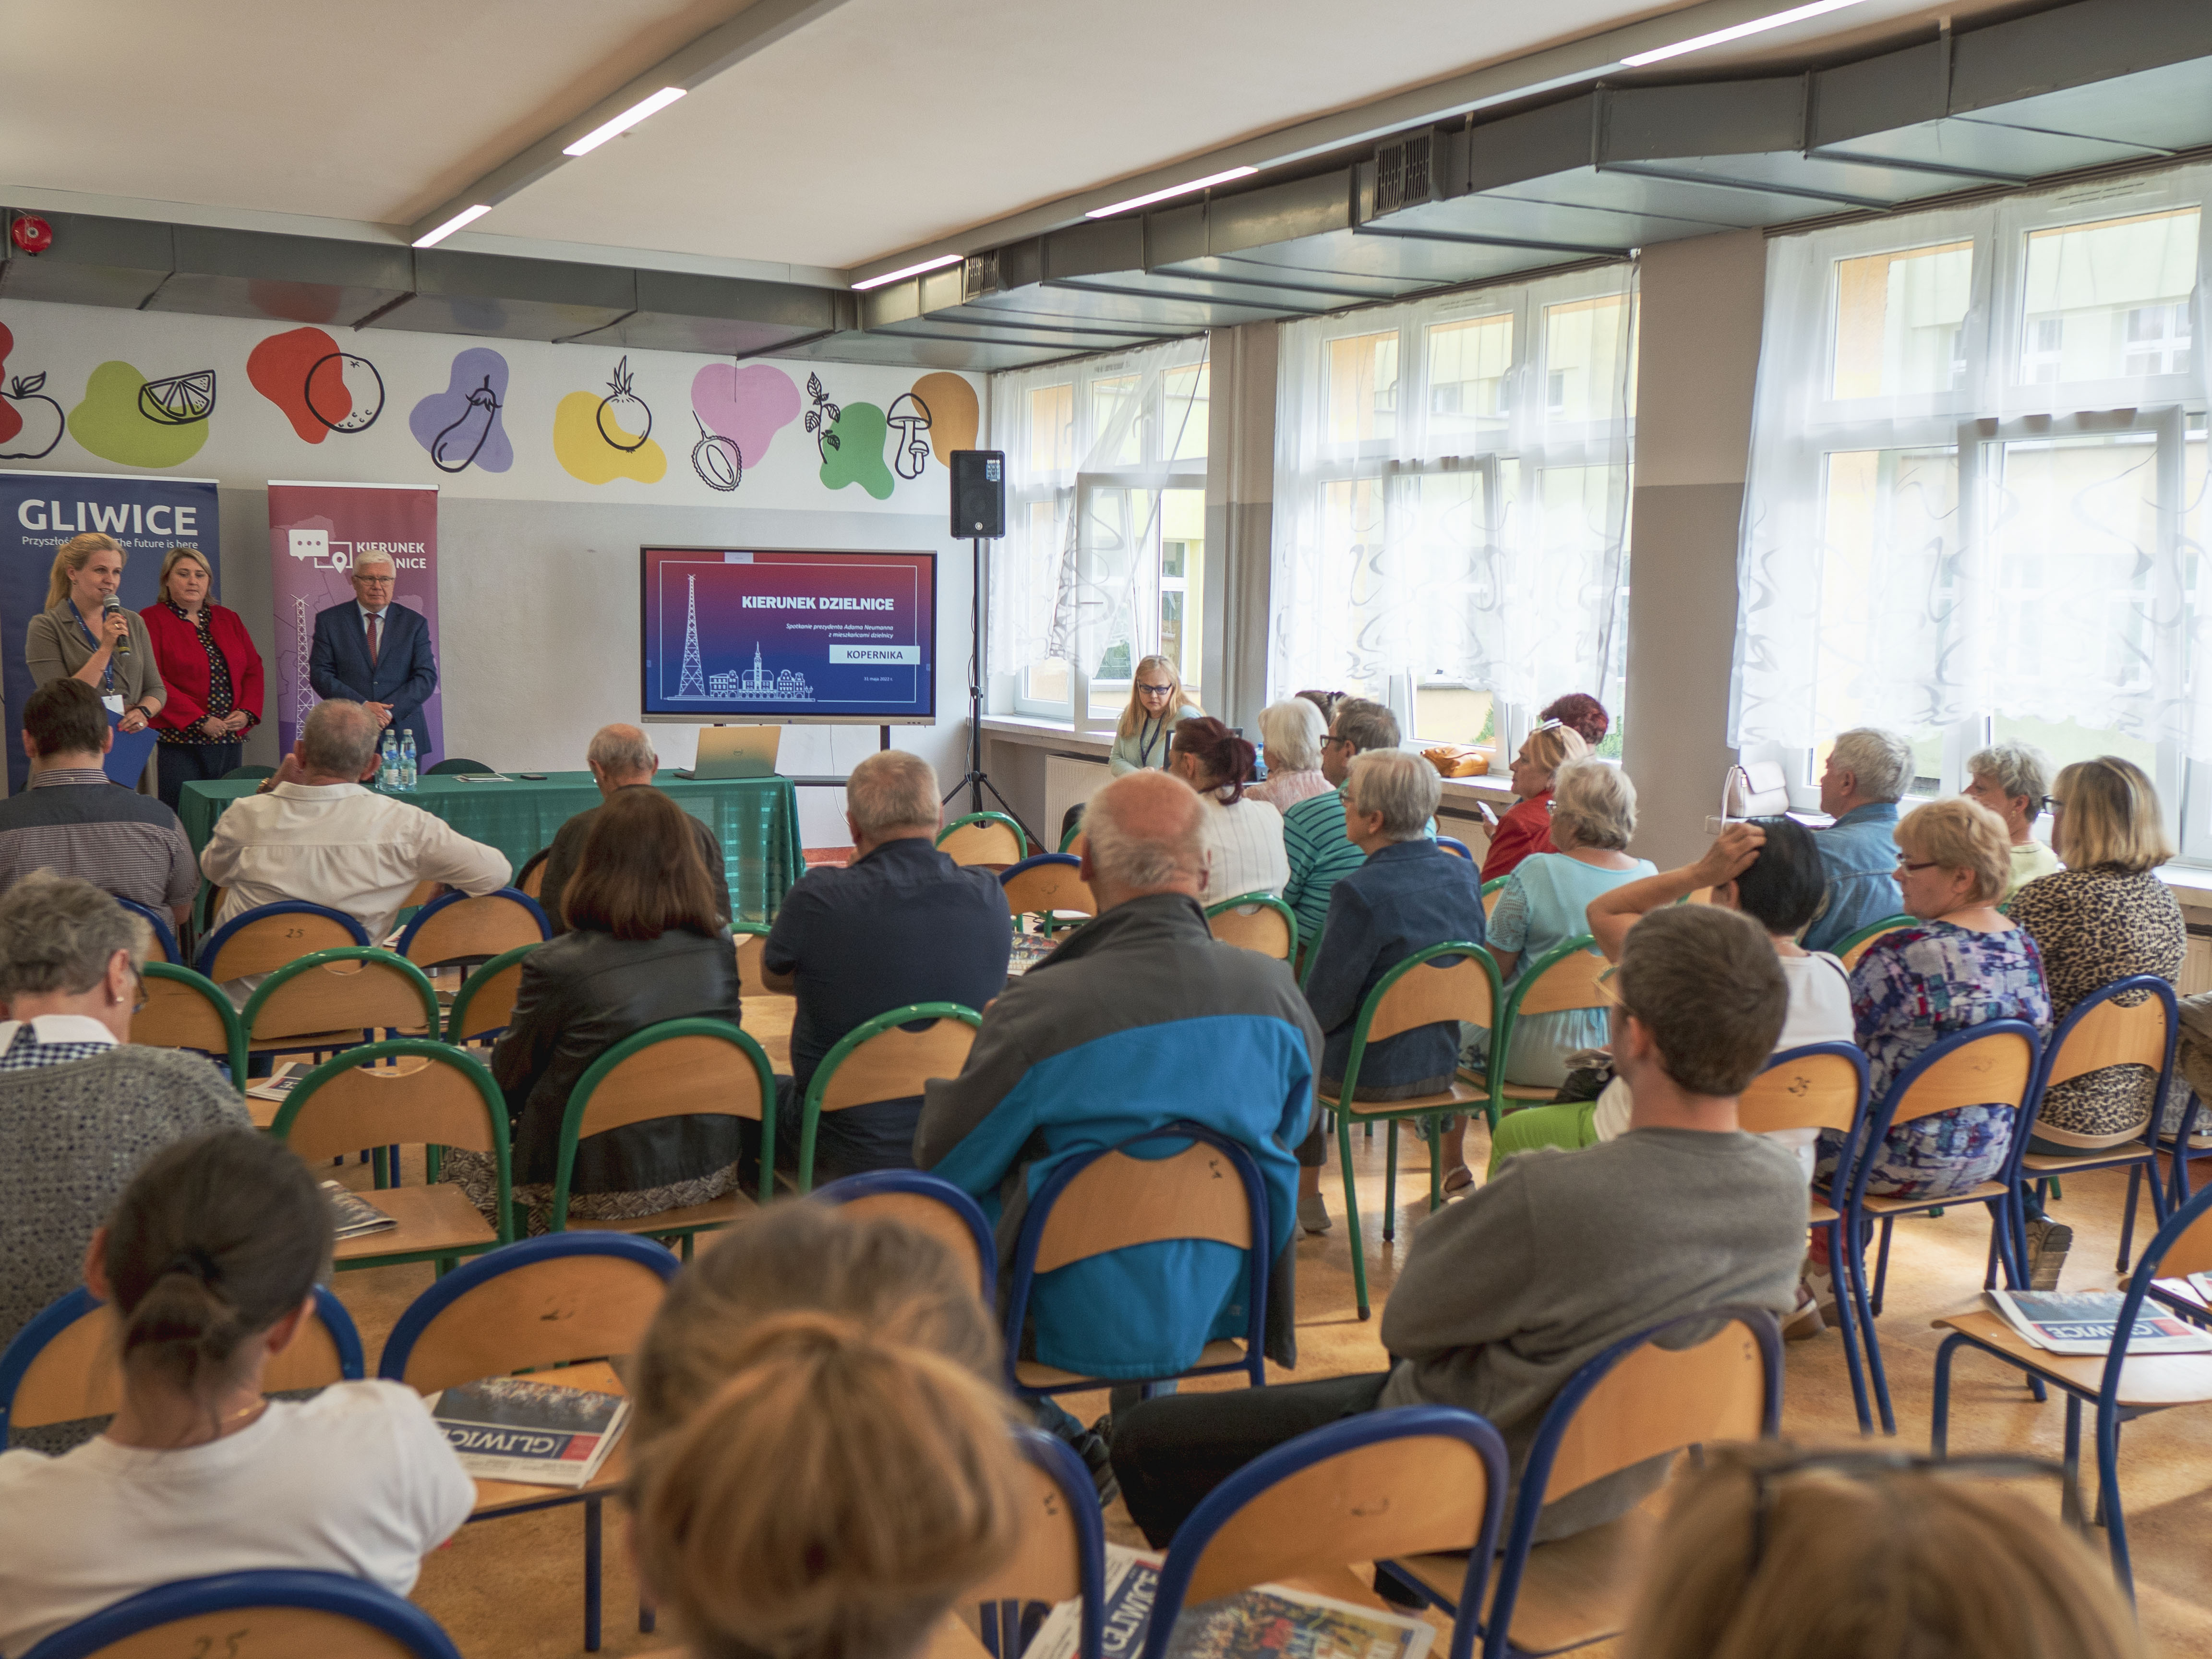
x: 1451, y: 492
x: 1977, y: 468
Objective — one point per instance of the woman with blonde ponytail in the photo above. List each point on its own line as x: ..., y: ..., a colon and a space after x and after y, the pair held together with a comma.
x: 210, y: 1259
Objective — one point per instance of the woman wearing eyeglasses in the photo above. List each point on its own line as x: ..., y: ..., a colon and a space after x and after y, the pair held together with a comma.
x: 1527, y: 828
x: 1156, y: 703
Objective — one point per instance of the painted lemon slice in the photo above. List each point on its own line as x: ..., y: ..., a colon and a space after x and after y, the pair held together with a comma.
x: 180, y: 400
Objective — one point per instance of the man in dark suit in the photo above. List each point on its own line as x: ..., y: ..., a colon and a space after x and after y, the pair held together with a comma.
x: 377, y: 653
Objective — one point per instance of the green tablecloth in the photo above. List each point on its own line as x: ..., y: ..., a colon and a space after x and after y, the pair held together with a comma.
x: 757, y: 819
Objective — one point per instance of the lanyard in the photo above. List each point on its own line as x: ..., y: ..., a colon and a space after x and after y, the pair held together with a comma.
x: 107, y: 680
x: 1145, y: 744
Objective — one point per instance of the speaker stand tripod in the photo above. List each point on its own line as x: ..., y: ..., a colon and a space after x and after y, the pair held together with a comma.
x: 976, y: 779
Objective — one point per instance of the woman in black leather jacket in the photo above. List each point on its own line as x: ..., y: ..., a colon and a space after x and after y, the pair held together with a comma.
x: 646, y: 945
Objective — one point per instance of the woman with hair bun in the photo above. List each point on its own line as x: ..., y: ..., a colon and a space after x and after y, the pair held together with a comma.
x: 1243, y: 837
x: 210, y: 1259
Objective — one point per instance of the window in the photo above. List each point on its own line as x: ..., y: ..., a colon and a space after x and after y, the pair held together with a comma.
x: 1978, y: 490
x: 1451, y: 492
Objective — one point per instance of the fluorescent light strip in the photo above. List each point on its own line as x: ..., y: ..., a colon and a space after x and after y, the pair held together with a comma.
x: 888, y: 276
x: 623, y: 123
x: 1211, y: 178
x: 465, y: 216
x: 1757, y: 25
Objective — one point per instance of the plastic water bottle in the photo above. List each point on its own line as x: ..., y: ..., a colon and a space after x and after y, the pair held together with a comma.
x: 407, y: 778
x: 387, y: 771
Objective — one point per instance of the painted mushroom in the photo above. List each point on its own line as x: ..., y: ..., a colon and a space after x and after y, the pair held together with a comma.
x: 909, y: 416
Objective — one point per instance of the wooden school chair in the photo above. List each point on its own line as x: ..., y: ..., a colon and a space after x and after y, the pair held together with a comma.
x: 750, y: 938
x: 165, y: 937
x: 1256, y: 922
x: 270, y: 936
x: 62, y: 1366
x: 530, y: 879
x: 678, y: 1068
x: 1850, y: 950
x: 185, y: 1010
x: 1637, y: 1401
x: 1492, y: 890
x: 990, y: 840
x: 1048, y: 886
x: 459, y: 929
x: 484, y: 1005
x: 271, y: 1614
x: 1570, y: 975
x: 928, y: 1203
x: 1061, y: 1555
x: 1411, y: 1482
x: 573, y: 1300
x: 881, y: 1060
x: 405, y: 1092
x: 339, y: 999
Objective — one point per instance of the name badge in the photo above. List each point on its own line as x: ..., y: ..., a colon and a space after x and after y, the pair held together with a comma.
x: 113, y: 705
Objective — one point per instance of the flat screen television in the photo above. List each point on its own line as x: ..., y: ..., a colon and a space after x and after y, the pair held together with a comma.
x: 784, y: 635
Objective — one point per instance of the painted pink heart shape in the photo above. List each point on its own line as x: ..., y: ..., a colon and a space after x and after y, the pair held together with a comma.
x: 748, y: 403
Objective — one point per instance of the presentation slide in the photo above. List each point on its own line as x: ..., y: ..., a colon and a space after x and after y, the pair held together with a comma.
x: 783, y: 634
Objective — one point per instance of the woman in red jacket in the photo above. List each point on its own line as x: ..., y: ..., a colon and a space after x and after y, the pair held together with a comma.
x: 212, y: 671
x: 1527, y: 828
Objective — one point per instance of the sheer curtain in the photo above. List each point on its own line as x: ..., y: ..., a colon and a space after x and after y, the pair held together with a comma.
x: 1976, y: 499
x: 1451, y: 495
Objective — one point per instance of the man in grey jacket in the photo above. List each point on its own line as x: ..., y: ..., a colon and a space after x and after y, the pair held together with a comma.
x: 1562, y: 1254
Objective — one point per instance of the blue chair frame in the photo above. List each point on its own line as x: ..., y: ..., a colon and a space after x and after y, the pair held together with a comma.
x: 1003, y: 1622
x: 164, y: 935
x: 415, y: 925
x: 1023, y: 1273
x: 188, y: 1598
x: 221, y: 936
x: 1040, y: 860
x: 58, y: 1316
x: 1316, y: 1446
x: 875, y: 1182
x: 1457, y: 847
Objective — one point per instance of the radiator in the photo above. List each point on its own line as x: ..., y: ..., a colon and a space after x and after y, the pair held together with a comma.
x: 2197, y: 964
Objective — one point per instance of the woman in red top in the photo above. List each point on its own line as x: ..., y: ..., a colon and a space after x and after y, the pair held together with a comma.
x: 1528, y: 828
x: 212, y: 671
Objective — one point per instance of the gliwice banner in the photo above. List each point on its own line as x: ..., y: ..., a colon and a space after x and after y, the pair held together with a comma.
x: 40, y: 511
x: 317, y: 533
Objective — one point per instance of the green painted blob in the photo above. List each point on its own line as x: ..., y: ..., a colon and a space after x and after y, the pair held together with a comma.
x: 108, y: 422
x: 858, y: 455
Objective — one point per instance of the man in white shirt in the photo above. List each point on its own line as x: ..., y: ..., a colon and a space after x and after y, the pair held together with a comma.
x: 311, y: 832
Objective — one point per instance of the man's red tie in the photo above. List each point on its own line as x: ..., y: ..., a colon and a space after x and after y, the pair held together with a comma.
x: 373, y: 622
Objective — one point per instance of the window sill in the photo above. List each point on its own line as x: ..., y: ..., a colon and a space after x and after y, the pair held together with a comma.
x: 1044, y: 733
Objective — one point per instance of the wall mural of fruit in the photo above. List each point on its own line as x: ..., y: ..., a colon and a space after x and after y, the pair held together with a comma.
x: 599, y: 438
x: 113, y: 424
x: 460, y: 427
x: 30, y: 421
x: 738, y: 409
x: 852, y: 453
x: 320, y: 388
x: 719, y: 462
x: 954, y: 417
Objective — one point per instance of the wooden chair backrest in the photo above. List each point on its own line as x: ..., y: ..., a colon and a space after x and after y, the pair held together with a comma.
x: 424, y: 893
x: 532, y: 879
x: 993, y: 846
x: 2110, y: 1035
x: 1850, y: 956
x: 1660, y: 1399
x: 1820, y: 1092
x: 340, y: 996
x: 1047, y: 1565
x: 548, y: 1312
x: 2191, y: 1253
x: 1570, y: 982
x: 178, y: 1015
x: 681, y: 1077
x: 491, y: 1003
x: 270, y: 1632
x: 486, y: 927
x: 1490, y: 901
x: 1049, y: 887
x: 80, y: 1374
x: 894, y: 1064
x: 750, y: 984
x: 264, y: 946
x: 1431, y: 993
x: 939, y: 1221
x: 1258, y: 928
x: 1398, y: 1498
x: 1120, y: 1201
x: 419, y: 1101
x: 1991, y: 1072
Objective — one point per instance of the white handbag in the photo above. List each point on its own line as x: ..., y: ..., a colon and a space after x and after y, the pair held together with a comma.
x: 1754, y: 789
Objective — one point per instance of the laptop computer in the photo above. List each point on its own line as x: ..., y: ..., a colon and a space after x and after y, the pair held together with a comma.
x: 735, y: 751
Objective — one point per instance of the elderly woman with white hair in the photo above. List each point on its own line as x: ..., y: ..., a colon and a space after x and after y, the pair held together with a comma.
x: 1290, y: 737
x: 2011, y: 779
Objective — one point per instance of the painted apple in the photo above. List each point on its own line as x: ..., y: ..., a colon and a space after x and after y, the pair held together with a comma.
x: 30, y: 421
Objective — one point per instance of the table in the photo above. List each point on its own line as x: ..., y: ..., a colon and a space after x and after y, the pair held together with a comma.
x: 756, y: 819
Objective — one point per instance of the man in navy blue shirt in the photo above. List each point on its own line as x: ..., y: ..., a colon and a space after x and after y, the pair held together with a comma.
x: 1409, y: 894
x: 901, y: 924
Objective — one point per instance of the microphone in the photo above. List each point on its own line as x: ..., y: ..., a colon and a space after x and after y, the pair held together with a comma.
x: 113, y: 604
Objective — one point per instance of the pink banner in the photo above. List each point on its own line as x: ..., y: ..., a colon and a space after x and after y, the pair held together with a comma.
x: 317, y: 532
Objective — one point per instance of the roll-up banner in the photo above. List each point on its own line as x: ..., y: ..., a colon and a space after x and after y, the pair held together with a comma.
x: 316, y: 533
x: 40, y: 511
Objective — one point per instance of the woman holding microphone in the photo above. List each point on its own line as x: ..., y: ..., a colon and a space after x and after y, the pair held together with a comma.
x: 212, y: 671
x: 77, y: 637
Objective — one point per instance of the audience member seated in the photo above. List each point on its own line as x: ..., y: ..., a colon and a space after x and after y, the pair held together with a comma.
x: 1525, y: 828
x: 79, y: 1110
x: 621, y: 757
x: 1290, y: 735
x: 1866, y: 776
x: 901, y: 924
x: 313, y: 832
x: 1157, y: 703
x: 1506, y: 1293
x: 1320, y: 853
x: 210, y: 1259
x: 1583, y: 711
x: 73, y: 821
x: 1243, y: 837
x: 1410, y: 894
x: 1768, y: 1550
x: 2011, y: 779
x: 645, y: 944
x: 1140, y: 1019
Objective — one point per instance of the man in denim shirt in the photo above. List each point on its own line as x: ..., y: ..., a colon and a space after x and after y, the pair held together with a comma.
x: 1866, y: 772
x: 1407, y: 894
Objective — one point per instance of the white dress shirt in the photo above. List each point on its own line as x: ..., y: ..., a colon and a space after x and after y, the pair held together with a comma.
x: 1243, y: 849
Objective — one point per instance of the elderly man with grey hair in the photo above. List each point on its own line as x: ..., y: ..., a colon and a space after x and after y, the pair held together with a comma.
x: 2011, y: 778
x: 1408, y: 895
x: 621, y: 757
x: 899, y: 924
x: 376, y: 653
x: 1866, y: 775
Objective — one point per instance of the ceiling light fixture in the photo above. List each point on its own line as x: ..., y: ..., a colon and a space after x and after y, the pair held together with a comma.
x: 465, y: 216
x: 1211, y: 178
x: 623, y: 123
x: 937, y: 264
x: 1737, y: 32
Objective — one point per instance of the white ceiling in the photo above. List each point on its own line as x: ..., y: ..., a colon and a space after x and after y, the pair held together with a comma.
x: 879, y: 126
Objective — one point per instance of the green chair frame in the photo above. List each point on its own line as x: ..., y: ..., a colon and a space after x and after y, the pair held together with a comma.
x: 1021, y: 836
x: 818, y: 1084
x: 495, y: 1109
x: 1268, y: 902
x: 1067, y: 839
x: 234, y: 1031
x: 1874, y: 930
x: 456, y: 1021
x: 315, y: 959
x: 1501, y: 1036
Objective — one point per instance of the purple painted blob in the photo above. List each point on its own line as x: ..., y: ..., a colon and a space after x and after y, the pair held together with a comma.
x: 460, y: 427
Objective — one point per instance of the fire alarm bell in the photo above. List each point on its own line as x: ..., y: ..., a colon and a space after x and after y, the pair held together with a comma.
x: 31, y: 233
